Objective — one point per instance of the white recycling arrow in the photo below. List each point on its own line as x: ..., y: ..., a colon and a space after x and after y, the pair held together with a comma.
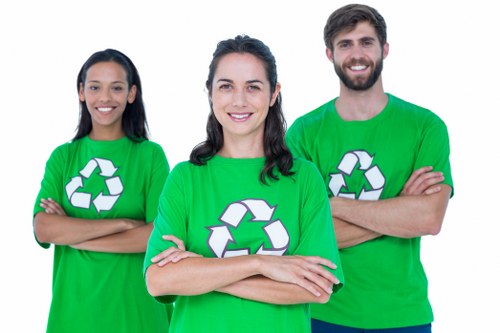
x: 107, y: 167
x: 105, y: 202
x: 218, y: 239
x: 234, y: 214
x: 260, y: 209
x: 89, y: 168
x: 81, y: 200
x: 347, y: 165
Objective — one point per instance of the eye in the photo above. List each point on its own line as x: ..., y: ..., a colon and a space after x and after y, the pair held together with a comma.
x: 367, y: 42
x: 225, y: 86
x: 93, y: 87
x: 118, y: 88
x: 343, y: 45
x: 253, y: 87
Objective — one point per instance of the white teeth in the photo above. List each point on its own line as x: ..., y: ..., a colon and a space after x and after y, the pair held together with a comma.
x: 358, y: 68
x: 104, y: 109
x: 240, y: 116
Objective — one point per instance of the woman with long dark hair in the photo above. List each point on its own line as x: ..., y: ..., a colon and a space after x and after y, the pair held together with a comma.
x: 97, y: 198
x: 243, y: 240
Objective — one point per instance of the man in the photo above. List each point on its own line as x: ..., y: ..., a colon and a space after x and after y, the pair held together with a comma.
x: 386, y: 166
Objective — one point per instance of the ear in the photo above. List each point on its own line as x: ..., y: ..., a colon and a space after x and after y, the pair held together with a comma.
x: 385, y: 50
x: 131, y: 94
x: 81, y: 95
x: 329, y: 54
x: 275, y: 94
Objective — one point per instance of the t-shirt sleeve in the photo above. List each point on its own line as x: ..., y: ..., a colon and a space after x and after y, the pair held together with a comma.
x: 159, y: 172
x: 434, y: 149
x: 294, y: 139
x: 171, y: 220
x: 316, y: 225
x: 52, y: 183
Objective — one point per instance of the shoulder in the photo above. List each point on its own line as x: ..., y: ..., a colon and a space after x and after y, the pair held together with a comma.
x: 305, y: 169
x: 149, y: 145
x: 413, y: 110
x: 316, y: 116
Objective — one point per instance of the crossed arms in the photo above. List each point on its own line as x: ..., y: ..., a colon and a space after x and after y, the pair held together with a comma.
x: 418, y: 210
x: 116, y: 235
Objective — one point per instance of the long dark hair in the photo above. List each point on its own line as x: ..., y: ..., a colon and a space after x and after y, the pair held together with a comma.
x: 134, y: 122
x: 275, y: 150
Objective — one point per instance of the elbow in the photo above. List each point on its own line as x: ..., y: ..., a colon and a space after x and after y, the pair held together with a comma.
x: 152, y: 284
x: 40, y: 229
x: 157, y: 282
x: 432, y: 225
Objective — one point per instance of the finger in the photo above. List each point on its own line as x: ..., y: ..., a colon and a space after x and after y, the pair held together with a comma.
x: 179, y: 243
x: 164, y: 254
x: 320, y: 261
x: 432, y: 190
x: 310, y: 287
x: 417, y: 173
x: 184, y: 255
x: 324, y: 284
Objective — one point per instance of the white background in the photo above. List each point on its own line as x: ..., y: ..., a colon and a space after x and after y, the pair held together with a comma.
x: 443, y: 56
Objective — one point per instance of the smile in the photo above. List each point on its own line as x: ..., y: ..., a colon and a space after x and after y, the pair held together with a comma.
x: 358, y: 67
x: 105, y: 109
x: 240, y: 116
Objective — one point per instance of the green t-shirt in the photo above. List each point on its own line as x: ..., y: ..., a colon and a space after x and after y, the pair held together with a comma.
x: 386, y: 285
x: 95, y: 291
x: 221, y: 209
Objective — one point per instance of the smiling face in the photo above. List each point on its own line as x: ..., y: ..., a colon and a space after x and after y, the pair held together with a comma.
x: 106, y: 94
x: 358, y: 57
x: 241, y: 97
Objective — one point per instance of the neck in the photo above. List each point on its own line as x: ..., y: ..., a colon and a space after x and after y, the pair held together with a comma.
x: 361, y: 105
x: 106, y: 134
x: 242, y: 148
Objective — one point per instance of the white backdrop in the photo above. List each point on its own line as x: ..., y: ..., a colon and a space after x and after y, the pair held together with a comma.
x: 443, y: 56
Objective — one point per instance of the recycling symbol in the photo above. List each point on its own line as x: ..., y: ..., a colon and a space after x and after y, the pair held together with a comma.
x: 361, y: 160
x: 101, y: 201
x: 221, y: 236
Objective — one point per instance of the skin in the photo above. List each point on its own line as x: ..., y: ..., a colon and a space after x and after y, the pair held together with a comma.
x: 420, y: 208
x: 241, y: 97
x: 106, y: 94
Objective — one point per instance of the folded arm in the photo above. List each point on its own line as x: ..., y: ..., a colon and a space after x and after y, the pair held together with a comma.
x: 272, y: 279
x: 419, y: 210
x: 54, y: 226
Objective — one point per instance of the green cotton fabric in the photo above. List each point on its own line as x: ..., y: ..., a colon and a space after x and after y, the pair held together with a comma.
x: 95, y: 291
x: 385, y: 282
x: 290, y: 216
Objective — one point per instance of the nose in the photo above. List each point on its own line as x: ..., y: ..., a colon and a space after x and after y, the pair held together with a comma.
x: 239, y: 97
x: 105, y: 95
x: 357, y: 51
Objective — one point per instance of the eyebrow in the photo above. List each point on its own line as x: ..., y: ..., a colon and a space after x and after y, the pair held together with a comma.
x: 114, y: 82
x: 249, y: 81
x: 364, y: 39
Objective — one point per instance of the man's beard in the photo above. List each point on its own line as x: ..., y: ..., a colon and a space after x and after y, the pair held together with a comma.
x: 358, y: 84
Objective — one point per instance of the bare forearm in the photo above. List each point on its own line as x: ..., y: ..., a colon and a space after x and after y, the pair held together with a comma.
x: 65, y: 230
x: 349, y: 234
x: 404, y: 216
x: 262, y: 289
x: 130, y: 241
x: 195, y: 276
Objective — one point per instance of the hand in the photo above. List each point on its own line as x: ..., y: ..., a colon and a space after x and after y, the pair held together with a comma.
x: 52, y: 207
x: 173, y: 254
x: 423, y: 182
x: 305, y: 271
